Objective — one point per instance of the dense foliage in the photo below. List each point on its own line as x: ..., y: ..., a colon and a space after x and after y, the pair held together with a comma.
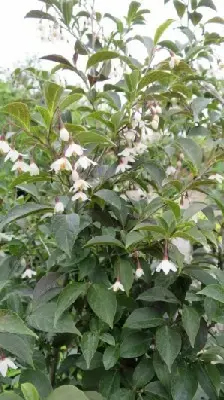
x: 111, y: 263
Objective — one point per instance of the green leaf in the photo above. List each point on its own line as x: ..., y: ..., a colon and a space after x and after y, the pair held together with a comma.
x: 155, y: 388
x: 180, y: 8
x: 40, y: 15
x: 69, y: 100
x: 151, y: 228
x: 123, y: 394
x: 94, y: 396
x: 143, y: 318
x: 89, y: 344
x: 10, y: 322
x: 21, y: 212
x: 216, y: 20
x: 195, y: 17
x: 209, y: 380
x: 103, y: 303
x: 19, y: 112
x: 215, y: 292
x: 18, y: 346
x: 184, y: 383
x: 199, y: 131
x: 125, y: 269
x: 161, y: 370
x: 53, y: 94
x: 110, y: 357
x: 109, y: 383
x: 65, y: 229
x: 103, y: 240
x: 67, y: 7
x: 110, y: 197
x: 158, y: 294
x: 143, y: 373
x: 42, y: 319
x: 107, y: 338
x: 38, y: 379
x: 191, y: 150
x: 161, y: 29
x: 10, y: 396
x: 155, y: 76
x: 101, y: 56
x: 91, y: 137
x: 191, y: 323
x: 168, y: 344
x: 198, y: 105
x: 135, y: 345
x: 207, y: 3
x: 29, y: 391
x: 68, y: 392
x: 68, y: 296
x: 133, y: 8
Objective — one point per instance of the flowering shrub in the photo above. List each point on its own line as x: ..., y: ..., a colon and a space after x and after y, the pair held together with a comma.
x: 111, y: 263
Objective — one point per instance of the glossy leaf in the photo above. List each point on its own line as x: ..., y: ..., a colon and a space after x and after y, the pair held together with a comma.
x: 103, y: 303
x: 168, y: 343
x: 191, y: 322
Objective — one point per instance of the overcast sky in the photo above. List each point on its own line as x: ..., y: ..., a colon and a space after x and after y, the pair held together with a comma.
x: 20, y: 38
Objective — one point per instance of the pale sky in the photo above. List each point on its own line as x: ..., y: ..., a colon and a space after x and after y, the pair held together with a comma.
x: 20, y: 38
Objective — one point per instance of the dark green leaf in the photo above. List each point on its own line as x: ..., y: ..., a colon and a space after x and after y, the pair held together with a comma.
x: 65, y: 228
x: 191, y: 150
x: 105, y: 240
x: 155, y: 76
x: 40, y: 15
x: 101, y: 56
x: 21, y: 212
x: 38, y: 379
x: 103, y: 302
x: 125, y: 269
x: 207, y: 3
x: 184, y: 383
x: 168, y: 343
x: 68, y: 296
x: 180, y: 8
x: 110, y: 197
x: 68, y: 392
x: 143, y: 374
x: 110, y: 357
x: 135, y: 345
x: 191, y: 322
x: 215, y: 292
x: 53, y: 94
x: 156, y: 389
x: 142, y: 318
x: 89, y: 344
x: 10, y: 322
x: 158, y: 294
x: 18, y: 346
x: 109, y: 383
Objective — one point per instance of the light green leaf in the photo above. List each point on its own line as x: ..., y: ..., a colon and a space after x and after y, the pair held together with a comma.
x: 103, y: 303
x: 46, y: 116
x: 38, y: 379
x: 125, y: 271
x: 101, y: 56
x: 89, y: 344
x: 42, y: 319
x: 92, y: 137
x: 107, y: 338
x: 143, y: 318
x: 199, y: 131
x: 153, y: 228
x: 21, y: 212
x: 191, y: 322
x: 18, y: 346
x: 69, y: 100
x: 19, y: 112
x: 198, y: 106
x: 143, y: 373
x: 68, y: 296
x: 67, y: 392
x: 135, y: 344
x: 110, y: 357
x: 168, y: 344
x: 110, y: 197
x: 215, y: 292
x: 132, y: 10
x: 216, y: 20
x: 105, y: 240
x: 180, y: 8
x: 29, y: 391
x: 161, y: 29
x: 155, y: 76
x: 53, y: 94
x: 10, y: 322
x: 10, y: 396
x: 158, y: 294
x: 207, y: 3
x: 133, y: 238
x: 191, y: 150
x: 67, y: 7
x: 65, y: 229
x: 184, y: 383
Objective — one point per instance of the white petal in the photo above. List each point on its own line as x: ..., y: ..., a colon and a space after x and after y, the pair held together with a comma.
x: 3, y: 367
x: 11, y: 364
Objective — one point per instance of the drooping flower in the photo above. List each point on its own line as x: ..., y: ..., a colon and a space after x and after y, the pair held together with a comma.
x: 80, y: 196
x: 21, y: 166
x: 166, y: 266
x: 80, y: 185
x: 59, y: 207
x: 64, y: 134
x: 34, y: 170
x: 117, y: 286
x: 137, y: 117
x: 74, y: 148
x: 12, y: 155
x: 139, y: 272
x: 128, y: 151
x: 130, y: 135
x: 5, y: 364
x: 158, y: 109
x: 4, y: 146
x: 140, y: 148
x: 84, y: 162
x: 217, y: 177
x: 174, y: 60
x: 61, y: 164
x: 170, y: 171
x: 155, y: 122
x: 123, y: 166
x: 75, y: 175
x: 28, y: 273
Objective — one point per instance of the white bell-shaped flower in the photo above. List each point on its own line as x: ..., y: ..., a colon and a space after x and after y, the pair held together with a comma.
x: 139, y: 272
x: 80, y: 185
x: 117, y: 286
x: 74, y: 149
x: 60, y: 165
x: 28, y: 273
x: 12, y: 155
x: 170, y: 171
x: 75, y: 175
x: 166, y: 266
x: 64, y: 134
x: 5, y: 364
x: 59, y: 207
x: 4, y: 146
x: 123, y: 165
x: 34, y: 170
x: 21, y: 166
x: 84, y: 162
x: 80, y: 196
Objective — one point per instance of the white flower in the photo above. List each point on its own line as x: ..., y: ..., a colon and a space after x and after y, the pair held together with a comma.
x: 140, y: 148
x: 28, y: 273
x: 123, y: 165
x: 34, y: 170
x: 80, y: 196
x: 12, y: 155
x: 170, y: 171
x: 64, y: 134
x: 174, y: 61
x: 155, y: 122
x: 166, y: 266
x: 127, y: 152
x: 5, y: 364
x: 59, y: 207
x: 21, y: 166
x: 217, y: 177
x: 136, y: 194
x: 4, y: 146
x: 130, y: 135
x: 117, y: 286
x: 80, y: 185
x: 84, y: 162
x: 74, y: 149
x: 75, y: 175
x: 139, y: 272
x: 60, y: 164
x: 137, y: 117
x: 158, y: 110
